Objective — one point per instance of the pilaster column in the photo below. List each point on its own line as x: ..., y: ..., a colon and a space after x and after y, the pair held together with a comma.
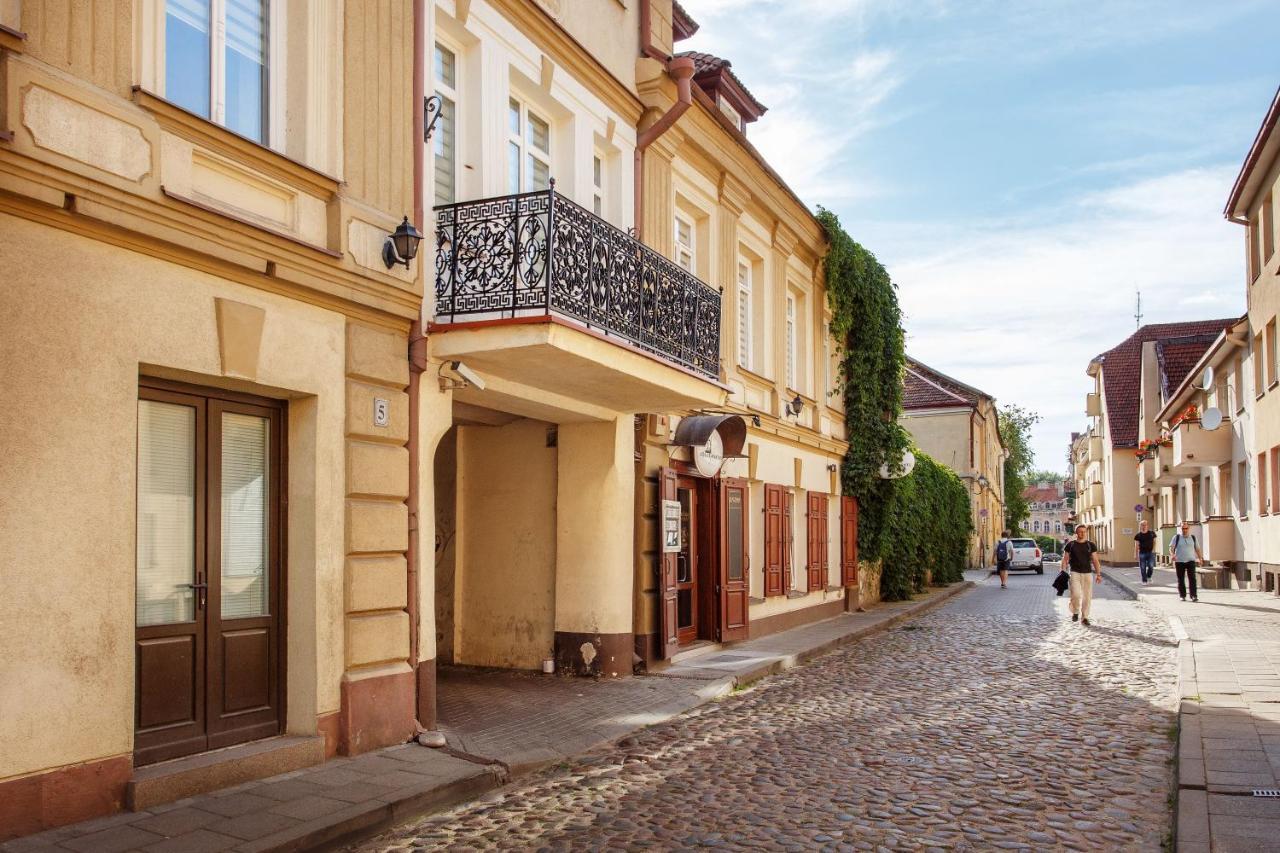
x: 595, y: 521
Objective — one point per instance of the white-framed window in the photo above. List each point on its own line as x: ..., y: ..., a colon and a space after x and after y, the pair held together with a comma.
x: 791, y: 342
x: 734, y: 115
x: 744, y: 314
x: 216, y: 62
x: 444, y: 140
x: 597, y: 184
x: 528, y: 149
x: 684, y: 243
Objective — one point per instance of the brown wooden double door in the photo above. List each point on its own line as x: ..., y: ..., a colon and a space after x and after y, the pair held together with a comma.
x: 209, y: 647
x: 704, y: 585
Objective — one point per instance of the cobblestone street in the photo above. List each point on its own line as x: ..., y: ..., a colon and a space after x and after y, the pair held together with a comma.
x: 993, y: 722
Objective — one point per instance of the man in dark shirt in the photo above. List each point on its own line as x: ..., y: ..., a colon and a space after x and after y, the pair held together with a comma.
x: 1144, y: 551
x: 1081, y: 558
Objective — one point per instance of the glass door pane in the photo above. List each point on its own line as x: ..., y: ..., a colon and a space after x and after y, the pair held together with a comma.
x: 166, y: 513
x: 244, y: 515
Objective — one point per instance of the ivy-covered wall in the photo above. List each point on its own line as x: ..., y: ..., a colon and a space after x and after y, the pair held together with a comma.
x: 917, y: 524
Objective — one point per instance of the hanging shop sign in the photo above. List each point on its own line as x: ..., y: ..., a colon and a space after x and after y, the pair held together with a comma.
x: 711, y: 439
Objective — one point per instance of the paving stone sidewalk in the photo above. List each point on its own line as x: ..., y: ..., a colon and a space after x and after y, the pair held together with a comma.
x: 1229, y: 685
x: 515, y: 721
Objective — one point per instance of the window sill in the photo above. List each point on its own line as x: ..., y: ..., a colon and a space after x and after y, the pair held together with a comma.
x: 255, y: 155
x: 1274, y: 383
x: 795, y: 593
x: 758, y: 378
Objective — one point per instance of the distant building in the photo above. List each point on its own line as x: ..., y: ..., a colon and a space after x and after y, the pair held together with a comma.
x: 1132, y: 381
x: 958, y: 426
x: 1048, y: 511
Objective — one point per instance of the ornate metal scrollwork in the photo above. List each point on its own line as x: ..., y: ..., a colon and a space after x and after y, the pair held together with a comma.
x: 536, y: 253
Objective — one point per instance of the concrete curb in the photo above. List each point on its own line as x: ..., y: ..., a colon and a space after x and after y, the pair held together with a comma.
x: 1191, y: 806
x: 364, y: 822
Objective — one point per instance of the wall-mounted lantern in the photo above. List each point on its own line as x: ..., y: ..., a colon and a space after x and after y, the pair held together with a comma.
x: 795, y: 406
x: 401, y: 245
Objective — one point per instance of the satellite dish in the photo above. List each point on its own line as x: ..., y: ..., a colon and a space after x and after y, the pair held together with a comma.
x: 1206, y: 378
x: 908, y: 463
x: 1211, y: 419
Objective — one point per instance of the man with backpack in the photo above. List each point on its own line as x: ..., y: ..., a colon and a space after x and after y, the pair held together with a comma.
x: 1186, y: 556
x: 1004, y: 556
x: 1080, y: 556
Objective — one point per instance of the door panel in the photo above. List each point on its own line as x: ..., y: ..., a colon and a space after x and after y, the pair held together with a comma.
x: 734, y: 568
x: 246, y: 676
x: 849, y: 541
x: 669, y: 642
x: 169, y: 669
x: 244, y: 581
x: 208, y: 661
x: 167, y: 676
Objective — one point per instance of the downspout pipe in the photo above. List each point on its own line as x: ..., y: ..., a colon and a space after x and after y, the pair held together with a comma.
x: 417, y: 365
x: 680, y: 68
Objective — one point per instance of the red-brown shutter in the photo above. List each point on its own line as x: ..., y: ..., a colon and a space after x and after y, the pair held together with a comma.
x: 849, y: 541
x: 774, y: 540
x: 818, y: 539
x: 669, y: 642
x: 788, y: 539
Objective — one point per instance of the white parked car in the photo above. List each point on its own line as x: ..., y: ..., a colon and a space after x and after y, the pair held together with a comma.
x: 1026, y: 555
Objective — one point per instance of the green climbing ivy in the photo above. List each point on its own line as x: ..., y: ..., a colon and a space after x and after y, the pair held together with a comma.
x: 919, y: 523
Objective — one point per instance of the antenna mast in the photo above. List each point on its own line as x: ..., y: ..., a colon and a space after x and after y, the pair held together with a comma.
x: 1137, y: 314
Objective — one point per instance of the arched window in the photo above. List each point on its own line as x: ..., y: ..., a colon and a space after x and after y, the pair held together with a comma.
x: 1035, y: 526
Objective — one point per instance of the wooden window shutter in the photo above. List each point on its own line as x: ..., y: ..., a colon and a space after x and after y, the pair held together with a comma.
x: 774, y: 540
x: 849, y: 541
x: 817, y: 564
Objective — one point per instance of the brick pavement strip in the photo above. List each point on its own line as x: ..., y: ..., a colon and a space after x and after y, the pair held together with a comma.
x: 993, y: 722
x: 1229, y: 670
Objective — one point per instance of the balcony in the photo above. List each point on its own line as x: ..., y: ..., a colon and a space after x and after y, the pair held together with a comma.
x: 1092, y: 404
x: 1095, y: 448
x: 1094, y: 491
x: 1195, y: 447
x: 536, y: 290
x: 1159, y: 468
x: 1218, y: 539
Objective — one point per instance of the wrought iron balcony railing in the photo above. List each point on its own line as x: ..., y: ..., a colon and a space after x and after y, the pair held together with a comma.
x: 539, y: 253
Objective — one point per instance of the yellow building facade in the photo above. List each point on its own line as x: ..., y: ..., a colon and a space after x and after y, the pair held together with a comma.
x: 959, y: 427
x: 1253, y: 204
x: 205, y: 380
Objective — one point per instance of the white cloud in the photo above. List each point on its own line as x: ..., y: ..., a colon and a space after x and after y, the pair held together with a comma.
x: 1019, y: 310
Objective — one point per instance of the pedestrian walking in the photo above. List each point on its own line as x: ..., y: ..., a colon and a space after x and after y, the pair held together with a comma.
x: 1186, y: 556
x: 1144, y: 551
x: 1081, y: 556
x: 1004, y: 555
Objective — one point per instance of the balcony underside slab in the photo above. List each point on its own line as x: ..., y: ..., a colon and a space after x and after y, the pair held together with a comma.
x: 574, y: 374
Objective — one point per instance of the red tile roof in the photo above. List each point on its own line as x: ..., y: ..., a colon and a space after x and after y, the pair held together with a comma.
x: 1042, y: 494
x: 1122, y: 371
x: 925, y: 388
x: 1176, y: 357
x: 707, y: 68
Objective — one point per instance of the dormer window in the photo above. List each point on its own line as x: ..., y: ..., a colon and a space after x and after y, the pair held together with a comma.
x: 734, y: 115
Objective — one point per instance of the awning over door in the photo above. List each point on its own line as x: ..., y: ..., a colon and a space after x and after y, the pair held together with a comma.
x: 696, y: 430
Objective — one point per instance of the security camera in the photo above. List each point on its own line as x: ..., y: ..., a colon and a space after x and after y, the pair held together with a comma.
x: 455, y: 375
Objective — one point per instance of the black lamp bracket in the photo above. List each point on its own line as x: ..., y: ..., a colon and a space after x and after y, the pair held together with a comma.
x: 431, y: 106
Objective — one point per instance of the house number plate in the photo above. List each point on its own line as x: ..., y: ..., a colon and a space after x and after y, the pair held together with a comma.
x: 381, y: 408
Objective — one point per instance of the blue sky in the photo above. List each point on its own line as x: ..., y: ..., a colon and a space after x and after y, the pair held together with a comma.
x: 1020, y: 167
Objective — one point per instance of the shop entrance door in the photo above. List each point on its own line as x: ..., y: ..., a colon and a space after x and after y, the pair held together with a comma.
x: 687, y: 561
x: 209, y: 649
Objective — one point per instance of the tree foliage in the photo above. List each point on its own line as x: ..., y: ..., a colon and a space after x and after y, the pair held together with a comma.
x: 919, y: 523
x: 1015, y: 433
